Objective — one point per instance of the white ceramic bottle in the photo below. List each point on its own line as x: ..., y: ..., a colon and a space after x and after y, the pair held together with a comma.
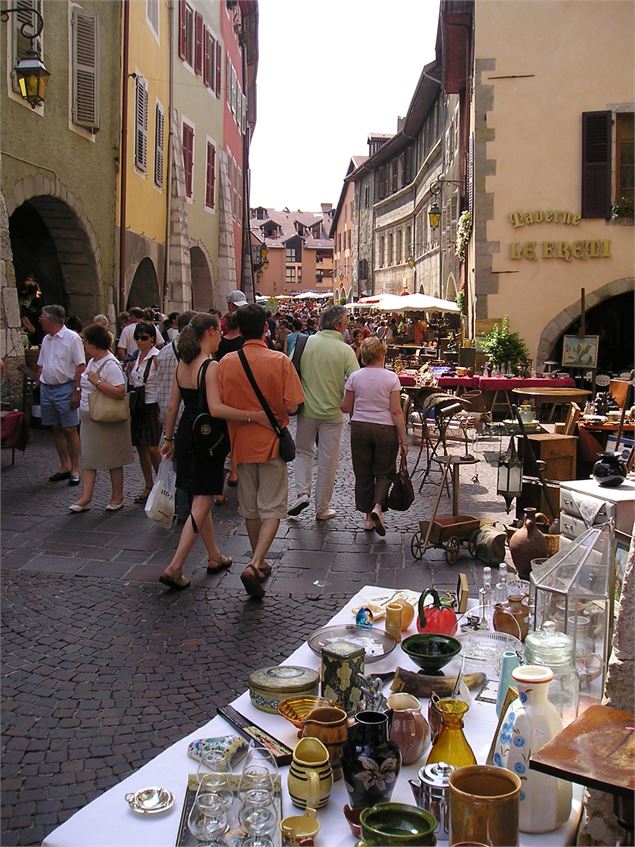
x: 530, y: 721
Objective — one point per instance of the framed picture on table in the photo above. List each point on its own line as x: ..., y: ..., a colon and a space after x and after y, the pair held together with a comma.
x: 580, y: 351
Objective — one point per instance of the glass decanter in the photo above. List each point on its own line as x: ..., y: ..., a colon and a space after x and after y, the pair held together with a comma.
x: 451, y: 745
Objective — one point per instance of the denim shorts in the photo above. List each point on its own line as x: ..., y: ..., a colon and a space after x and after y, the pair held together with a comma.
x: 55, y: 404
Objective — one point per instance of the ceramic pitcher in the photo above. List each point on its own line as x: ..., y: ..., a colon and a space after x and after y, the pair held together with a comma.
x: 484, y: 806
x: 329, y: 725
x: 310, y: 776
x: 409, y: 728
x: 527, y: 543
x: 512, y: 617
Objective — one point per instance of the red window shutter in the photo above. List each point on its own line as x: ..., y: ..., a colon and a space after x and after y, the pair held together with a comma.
x: 198, y: 43
x: 188, y: 157
x: 182, y: 28
x: 210, y: 176
x: 206, y: 46
x: 219, y: 65
x: 596, y: 164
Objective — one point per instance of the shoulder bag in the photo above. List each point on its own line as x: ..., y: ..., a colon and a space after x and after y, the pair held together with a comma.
x: 401, y: 495
x: 137, y: 396
x: 287, y: 444
x: 209, y: 434
x: 104, y: 409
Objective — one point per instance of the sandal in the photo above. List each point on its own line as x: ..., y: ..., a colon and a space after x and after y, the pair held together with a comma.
x: 179, y: 582
x: 252, y: 580
x: 141, y: 498
x: 220, y: 564
x: 380, y: 529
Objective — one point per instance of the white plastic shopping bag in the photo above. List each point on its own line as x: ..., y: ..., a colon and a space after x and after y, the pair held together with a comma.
x: 160, y: 503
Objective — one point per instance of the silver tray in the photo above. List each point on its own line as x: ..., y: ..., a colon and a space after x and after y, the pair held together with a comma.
x: 150, y: 801
x: 376, y: 642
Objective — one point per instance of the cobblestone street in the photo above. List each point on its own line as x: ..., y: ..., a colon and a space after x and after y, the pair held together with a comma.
x: 103, y: 668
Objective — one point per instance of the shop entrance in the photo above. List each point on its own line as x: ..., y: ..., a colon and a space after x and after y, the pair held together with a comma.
x: 202, y: 286
x: 144, y: 290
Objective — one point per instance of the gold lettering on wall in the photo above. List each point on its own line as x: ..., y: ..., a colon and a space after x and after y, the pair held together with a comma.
x: 518, y: 218
x: 566, y: 250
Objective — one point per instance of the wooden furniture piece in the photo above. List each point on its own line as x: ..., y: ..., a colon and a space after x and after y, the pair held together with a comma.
x: 584, y: 503
x: 553, y: 396
x: 618, y: 389
x: 597, y: 749
x: 558, y: 452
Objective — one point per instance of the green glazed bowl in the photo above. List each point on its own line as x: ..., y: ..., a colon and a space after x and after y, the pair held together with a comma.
x: 431, y: 651
x: 389, y: 824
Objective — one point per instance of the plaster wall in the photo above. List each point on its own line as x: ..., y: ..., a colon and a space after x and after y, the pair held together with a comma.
x: 554, y: 60
x: 363, y: 218
x: 344, y: 261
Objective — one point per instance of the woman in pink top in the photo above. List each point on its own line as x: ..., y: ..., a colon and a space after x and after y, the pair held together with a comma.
x: 373, y: 399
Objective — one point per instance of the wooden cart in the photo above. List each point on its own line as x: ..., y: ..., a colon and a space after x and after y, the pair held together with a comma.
x: 446, y: 533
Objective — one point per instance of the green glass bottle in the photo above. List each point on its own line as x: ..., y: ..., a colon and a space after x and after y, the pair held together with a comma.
x: 451, y: 744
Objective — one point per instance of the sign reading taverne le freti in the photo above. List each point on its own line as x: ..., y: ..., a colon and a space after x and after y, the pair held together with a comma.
x: 567, y: 250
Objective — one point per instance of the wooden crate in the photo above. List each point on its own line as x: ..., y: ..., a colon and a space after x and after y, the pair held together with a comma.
x: 559, y: 453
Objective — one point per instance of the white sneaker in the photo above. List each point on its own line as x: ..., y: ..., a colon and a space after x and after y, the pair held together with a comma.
x: 326, y: 516
x: 299, y: 505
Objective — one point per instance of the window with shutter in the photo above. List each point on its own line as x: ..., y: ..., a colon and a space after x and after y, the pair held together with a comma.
x: 198, y: 43
x: 188, y: 157
x: 219, y: 67
x: 625, y: 160
x: 152, y: 15
x: 159, y: 141
x: 20, y: 44
x: 189, y: 36
x: 596, y: 164
x: 239, y: 194
x: 228, y: 86
x: 210, y: 176
x: 141, y: 123
x: 206, y: 46
x: 85, y: 69
x: 182, y: 28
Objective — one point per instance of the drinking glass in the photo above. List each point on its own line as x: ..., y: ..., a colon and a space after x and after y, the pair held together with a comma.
x: 262, y: 757
x: 258, y: 841
x: 255, y: 778
x: 208, y: 819
x: 257, y: 813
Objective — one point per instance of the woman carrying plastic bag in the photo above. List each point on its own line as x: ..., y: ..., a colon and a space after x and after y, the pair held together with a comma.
x: 160, y: 503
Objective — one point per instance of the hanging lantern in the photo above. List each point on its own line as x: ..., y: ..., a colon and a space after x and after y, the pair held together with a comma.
x: 576, y: 590
x: 510, y: 475
x: 32, y: 78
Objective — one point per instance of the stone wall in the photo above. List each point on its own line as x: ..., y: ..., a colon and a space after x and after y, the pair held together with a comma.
x: 11, y: 347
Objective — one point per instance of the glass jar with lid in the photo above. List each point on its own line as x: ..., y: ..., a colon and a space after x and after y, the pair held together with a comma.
x: 556, y: 651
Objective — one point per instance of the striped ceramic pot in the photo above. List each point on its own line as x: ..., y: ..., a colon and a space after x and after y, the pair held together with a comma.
x: 310, y: 776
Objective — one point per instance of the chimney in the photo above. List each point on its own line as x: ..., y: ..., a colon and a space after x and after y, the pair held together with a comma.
x: 400, y: 123
x: 326, y: 208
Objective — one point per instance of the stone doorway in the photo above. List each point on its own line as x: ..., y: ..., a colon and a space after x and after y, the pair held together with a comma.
x: 144, y: 290
x: 202, y: 284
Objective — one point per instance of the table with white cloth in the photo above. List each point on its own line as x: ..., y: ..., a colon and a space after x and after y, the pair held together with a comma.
x: 109, y: 821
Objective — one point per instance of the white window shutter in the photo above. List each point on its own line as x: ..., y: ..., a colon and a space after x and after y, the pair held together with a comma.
x: 85, y: 109
x: 159, y: 142
x: 141, y: 124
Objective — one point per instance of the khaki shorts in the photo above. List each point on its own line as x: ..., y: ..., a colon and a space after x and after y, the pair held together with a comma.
x: 263, y: 489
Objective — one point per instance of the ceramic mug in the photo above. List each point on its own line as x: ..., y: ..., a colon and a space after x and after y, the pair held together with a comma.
x: 484, y: 806
x: 329, y: 725
x: 300, y: 829
x: 310, y: 776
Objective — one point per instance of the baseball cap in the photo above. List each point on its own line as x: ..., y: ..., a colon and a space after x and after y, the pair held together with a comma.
x: 237, y: 298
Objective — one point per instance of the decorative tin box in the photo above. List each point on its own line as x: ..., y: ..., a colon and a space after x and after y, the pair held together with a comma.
x: 342, y: 667
x: 268, y: 687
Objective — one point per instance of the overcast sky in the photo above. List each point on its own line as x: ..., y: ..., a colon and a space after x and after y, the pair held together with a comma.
x: 329, y: 73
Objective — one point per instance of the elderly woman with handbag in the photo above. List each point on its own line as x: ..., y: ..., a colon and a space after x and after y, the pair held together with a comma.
x: 372, y: 397
x: 103, y: 414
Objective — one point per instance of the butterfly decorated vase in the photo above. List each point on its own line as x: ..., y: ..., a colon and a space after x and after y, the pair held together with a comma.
x: 370, y: 761
x: 530, y: 721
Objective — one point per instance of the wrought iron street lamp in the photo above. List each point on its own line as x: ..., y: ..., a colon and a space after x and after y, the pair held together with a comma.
x: 30, y: 71
x: 510, y: 475
x: 436, y: 187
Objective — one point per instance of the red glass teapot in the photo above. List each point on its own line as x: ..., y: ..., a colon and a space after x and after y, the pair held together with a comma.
x: 439, y: 617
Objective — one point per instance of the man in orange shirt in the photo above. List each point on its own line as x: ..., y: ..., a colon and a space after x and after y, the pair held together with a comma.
x: 262, y: 474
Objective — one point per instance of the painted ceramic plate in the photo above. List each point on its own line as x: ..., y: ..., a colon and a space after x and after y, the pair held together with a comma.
x: 376, y: 642
x: 150, y: 801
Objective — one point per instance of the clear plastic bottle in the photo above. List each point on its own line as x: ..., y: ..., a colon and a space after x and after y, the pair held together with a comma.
x: 501, y: 591
x: 485, y: 595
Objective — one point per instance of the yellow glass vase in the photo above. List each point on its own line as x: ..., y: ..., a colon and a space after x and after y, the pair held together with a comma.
x: 451, y: 744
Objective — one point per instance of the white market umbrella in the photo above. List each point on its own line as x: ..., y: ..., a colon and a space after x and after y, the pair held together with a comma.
x: 312, y: 295
x: 418, y: 303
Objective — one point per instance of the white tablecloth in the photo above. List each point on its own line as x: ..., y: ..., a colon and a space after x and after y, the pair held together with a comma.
x: 109, y: 822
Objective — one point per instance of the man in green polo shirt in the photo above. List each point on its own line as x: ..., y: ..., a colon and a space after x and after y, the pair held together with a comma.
x: 327, y: 362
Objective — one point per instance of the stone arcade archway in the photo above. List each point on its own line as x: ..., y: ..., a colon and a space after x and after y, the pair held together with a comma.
x: 203, y: 294
x: 51, y: 237
x: 552, y: 333
x: 144, y: 290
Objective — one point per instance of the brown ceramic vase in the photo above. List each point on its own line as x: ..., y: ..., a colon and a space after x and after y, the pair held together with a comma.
x: 527, y: 543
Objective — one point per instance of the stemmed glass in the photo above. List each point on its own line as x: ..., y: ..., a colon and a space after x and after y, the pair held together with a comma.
x: 214, y: 777
x: 258, y: 816
x: 260, y: 771
x: 207, y: 820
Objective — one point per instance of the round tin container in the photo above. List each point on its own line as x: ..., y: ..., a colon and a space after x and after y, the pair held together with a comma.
x: 268, y: 687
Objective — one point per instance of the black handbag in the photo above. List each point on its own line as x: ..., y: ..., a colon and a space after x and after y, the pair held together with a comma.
x: 287, y: 444
x: 209, y: 434
x: 137, y: 396
x: 401, y: 496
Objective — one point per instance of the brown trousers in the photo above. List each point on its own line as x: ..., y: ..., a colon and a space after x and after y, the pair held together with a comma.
x: 374, y: 449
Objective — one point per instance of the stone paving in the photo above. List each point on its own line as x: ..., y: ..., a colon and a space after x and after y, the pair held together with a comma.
x: 103, y: 667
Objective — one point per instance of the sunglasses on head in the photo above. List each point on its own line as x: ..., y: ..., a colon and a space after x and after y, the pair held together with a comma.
x: 143, y: 338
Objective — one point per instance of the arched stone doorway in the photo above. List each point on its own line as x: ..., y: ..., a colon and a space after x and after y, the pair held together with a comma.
x: 202, y: 284
x: 144, y: 290
x: 450, y: 287
x: 609, y: 314
x: 49, y: 241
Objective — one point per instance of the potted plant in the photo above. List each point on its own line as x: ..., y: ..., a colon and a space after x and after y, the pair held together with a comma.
x: 463, y: 233
x: 622, y: 208
x: 504, y: 346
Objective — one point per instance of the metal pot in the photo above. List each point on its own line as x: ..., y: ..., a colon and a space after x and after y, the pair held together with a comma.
x: 432, y: 794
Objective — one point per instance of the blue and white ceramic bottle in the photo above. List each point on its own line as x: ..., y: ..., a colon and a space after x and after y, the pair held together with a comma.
x: 530, y: 721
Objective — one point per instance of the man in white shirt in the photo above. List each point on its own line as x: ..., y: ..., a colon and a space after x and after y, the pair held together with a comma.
x: 127, y: 346
x: 60, y: 366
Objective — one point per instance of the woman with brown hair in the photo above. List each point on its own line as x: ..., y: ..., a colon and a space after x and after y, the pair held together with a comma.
x: 378, y: 430
x: 144, y: 421
x: 198, y: 473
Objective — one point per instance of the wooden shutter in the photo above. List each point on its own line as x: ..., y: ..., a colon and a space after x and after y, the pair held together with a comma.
x: 206, y: 46
x: 85, y: 104
x: 182, y: 29
x: 21, y: 44
x: 159, y: 142
x: 210, y: 176
x: 596, y: 164
x: 188, y: 157
x: 219, y: 67
x: 198, y: 43
x: 141, y: 123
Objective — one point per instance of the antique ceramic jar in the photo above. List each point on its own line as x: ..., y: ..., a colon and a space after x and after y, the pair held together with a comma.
x: 610, y: 470
x: 370, y: 761
x: 512, y: 617
x: 527, y: 543
x: 409, y: 728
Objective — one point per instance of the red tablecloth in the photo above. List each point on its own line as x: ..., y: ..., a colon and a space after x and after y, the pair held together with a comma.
x: 501, y: 383
x: 459, y: 381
